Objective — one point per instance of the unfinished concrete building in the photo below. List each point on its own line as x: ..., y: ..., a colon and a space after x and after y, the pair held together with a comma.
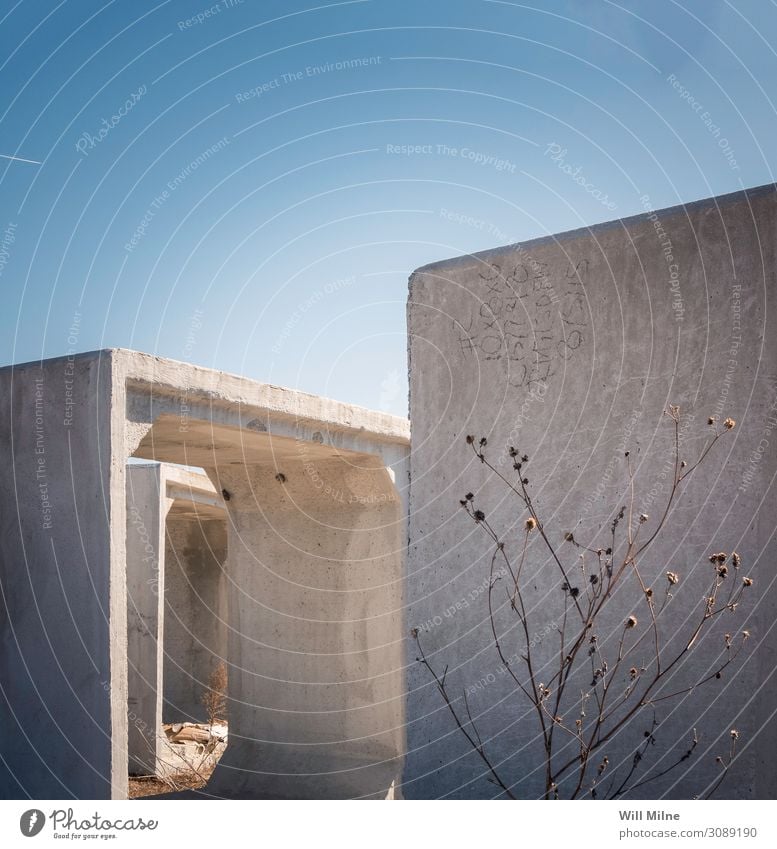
x: 313, y: 495
x: 176, y: 605
x: 123, y: 584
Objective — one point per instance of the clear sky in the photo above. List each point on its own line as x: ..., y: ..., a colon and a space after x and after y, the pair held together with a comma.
x: 247, y: 186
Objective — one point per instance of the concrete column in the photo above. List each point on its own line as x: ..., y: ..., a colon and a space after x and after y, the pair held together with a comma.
x: 62, y: 626
x: 145, y: 590
x: 195, y: 636
x: 316, y: 703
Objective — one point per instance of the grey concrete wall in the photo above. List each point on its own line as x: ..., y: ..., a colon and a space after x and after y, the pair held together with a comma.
x: 195, y: 613
x: 58, y: 667
x: 316, y: 699
x: 316, y: 705
x: 570, y: 348
x: 145, y: 619
x: 63, y: 556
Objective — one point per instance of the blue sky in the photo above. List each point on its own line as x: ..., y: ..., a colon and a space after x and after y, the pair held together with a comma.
x: 247, y: 186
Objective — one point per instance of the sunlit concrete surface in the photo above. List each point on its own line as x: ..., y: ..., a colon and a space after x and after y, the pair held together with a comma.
x: 316, y: 518
x: 570, y: 348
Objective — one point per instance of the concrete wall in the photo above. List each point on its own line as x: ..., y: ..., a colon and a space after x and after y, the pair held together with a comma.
x: 315, y: 572
x: 570, y: 348
x: 145, y: 615
x: 176, y: 602
x: 316, y: 705
x: 67, y: 427
x: 60, y: 676
x: 195, y: 612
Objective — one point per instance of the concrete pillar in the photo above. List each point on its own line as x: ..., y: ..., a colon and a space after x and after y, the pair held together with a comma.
x: 195, y: 634
x: 316, y: 704
x: 62, y: 604
x: 145, y: 589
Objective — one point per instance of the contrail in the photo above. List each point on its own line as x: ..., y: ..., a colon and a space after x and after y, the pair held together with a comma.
x: 19, y: 159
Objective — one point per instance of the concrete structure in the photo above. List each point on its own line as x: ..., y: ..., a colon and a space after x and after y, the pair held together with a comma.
x: 315, y: 493
x: 570, y: 348
x: 176, y: 603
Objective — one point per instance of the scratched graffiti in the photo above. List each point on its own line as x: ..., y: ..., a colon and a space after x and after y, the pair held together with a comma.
x: 531, y: 314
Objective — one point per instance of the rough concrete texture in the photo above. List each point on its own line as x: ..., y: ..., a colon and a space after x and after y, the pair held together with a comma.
x: 145, y: 616
x: 316, y: 503
x: 64, y: 589
x: 60, y: 600
x: 316, y: 702
x: 195, y: 618
x: 176, y: 602
x: 570, y: 348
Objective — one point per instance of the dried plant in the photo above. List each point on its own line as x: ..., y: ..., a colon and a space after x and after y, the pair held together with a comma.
x: 577, y: 717
x: 215, y: 696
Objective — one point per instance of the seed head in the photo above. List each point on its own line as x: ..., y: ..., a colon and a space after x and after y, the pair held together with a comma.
x: 530, y: 524
x: 734, y: 734
x: 479, y: 515
x: 569, y: 536
x: 673, y: 577
x: 748, y: 582
x: 631, y: 622
x: 736, y: 560
x: 711, y: 420
x: 643, y: 517
x: 729, y: 423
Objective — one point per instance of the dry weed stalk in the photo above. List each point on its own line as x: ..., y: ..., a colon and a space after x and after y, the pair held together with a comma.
x: 215, y: 696
x: 621, y: 687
